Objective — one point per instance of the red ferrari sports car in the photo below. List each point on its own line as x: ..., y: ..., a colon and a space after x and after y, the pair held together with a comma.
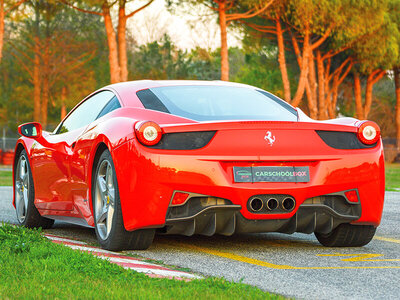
x: 199, y: 157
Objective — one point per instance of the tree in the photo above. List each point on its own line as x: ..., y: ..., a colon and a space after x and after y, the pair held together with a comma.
x: 117, y: 46
x: 394, y: 9
x: 51, y: 53
x: 269, y: 24
x: 6, y: 7
x: 228, y: 12
x: 303, y: 27
x: 204, y: 64
x: 397, y: 107
x: 319, y: 33
x: 259, y: 68
x: 160, y: 60
x: 373, y: 65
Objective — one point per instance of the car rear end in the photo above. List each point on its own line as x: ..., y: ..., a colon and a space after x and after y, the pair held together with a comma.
x: 222, y: 177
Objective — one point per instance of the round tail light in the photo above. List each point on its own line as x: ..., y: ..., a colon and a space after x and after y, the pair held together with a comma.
x: 148, y: 133
x: 368, y: 132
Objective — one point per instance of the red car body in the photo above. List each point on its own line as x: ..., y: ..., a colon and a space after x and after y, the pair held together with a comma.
x: 62, y: 171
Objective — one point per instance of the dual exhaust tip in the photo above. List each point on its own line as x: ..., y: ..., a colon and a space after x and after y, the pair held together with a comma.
x: 286, y: 204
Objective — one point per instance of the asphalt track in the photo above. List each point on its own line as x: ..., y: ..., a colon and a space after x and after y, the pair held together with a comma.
x: 291, y: 265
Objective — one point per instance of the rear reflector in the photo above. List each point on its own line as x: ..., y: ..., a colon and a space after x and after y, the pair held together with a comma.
x: 179, y: 198
x: 352, y: 196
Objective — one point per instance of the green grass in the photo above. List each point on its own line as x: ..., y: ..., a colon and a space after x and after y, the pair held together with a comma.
x: 392, y: 177
x: 33, y: 267
x: 5, y: 178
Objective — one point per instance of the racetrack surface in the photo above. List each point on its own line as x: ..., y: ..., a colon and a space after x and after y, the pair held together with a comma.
x: 292, y: 265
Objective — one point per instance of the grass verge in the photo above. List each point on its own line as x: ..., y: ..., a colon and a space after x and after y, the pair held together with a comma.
x: 33, y: 267
x: 392, y: 177
x: 5, y: 178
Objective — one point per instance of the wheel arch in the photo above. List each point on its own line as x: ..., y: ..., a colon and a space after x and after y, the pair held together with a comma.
x: 100, y: 148
x: 18, y: 149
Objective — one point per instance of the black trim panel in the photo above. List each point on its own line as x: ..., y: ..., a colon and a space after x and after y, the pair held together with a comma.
x: 342, y: 140
x: 184, y: 140
x: 151, y: 101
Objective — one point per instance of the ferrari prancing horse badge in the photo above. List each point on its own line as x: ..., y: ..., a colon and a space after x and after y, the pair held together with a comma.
x: 269, y: 138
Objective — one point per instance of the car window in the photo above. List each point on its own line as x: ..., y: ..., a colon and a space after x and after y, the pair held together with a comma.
x: 86, y: 112
x: 113, y: 104
x: 212, y: 103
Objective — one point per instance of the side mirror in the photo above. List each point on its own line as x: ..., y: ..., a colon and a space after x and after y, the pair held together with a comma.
x: 31, y: 130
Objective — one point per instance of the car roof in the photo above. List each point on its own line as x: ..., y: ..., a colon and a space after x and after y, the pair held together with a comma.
x: 127, y: 90
x: 142, y: 84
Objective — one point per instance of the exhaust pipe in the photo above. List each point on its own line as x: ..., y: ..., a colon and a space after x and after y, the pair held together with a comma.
x: 272, y: 204
x: 256, y: 204
x: 288, y: 203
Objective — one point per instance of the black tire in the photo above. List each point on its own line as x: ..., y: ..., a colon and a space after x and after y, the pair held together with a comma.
x: 117, y: 238
x: 31, y: 217
x: 347, y: 235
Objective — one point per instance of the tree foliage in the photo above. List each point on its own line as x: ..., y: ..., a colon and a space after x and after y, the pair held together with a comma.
x: 326, y: 56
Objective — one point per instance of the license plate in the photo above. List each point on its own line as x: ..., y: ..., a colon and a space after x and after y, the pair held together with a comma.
x: 271, y: 174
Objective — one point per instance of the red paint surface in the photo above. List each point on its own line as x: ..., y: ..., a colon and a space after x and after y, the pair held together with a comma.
x: 62, y: 164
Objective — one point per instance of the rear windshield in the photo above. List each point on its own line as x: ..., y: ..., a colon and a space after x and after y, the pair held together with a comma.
x: 212, y: 103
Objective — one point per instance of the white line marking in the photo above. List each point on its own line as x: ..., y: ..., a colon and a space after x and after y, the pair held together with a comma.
x: 127, y: 260
x: 91, y: 249
x: 165, y: 273
x: 60, y: 239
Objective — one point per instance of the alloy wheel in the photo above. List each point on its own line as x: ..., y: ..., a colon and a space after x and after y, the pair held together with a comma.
x: 104, y: 199
x: 21, y: 188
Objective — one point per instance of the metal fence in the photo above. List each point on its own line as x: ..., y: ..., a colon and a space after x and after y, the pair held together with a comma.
x: 389, y: 141
x: 392, y: 154
x: 7, y: 144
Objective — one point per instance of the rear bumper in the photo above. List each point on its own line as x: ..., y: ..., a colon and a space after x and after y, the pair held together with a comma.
x: 319, y: 214
x: 148, y: 178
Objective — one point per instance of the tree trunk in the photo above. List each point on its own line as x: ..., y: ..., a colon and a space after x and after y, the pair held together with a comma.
x: 321, y: 88
x: 358, y: 97
x: 312, y: 105
x: 63, y: 98
x: 368, y: 95
x: 397, y: 86
x: 312, y: 78
x: 282, y: 61
x: 224, y: 42
x: 36, y: 68
x: 334, y: 96
x: 327, y: 70
x: 46, y: 86
x: 1, y: 28
x: 123, y: 59
x: 304, y: 70
x: 112, y: 46
x: 36, y: 82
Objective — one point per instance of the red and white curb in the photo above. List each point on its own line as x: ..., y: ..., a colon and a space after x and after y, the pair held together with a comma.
x: 127, y: 262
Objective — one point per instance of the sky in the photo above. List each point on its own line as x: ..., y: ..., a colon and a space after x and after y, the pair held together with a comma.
x: 188, y: 28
